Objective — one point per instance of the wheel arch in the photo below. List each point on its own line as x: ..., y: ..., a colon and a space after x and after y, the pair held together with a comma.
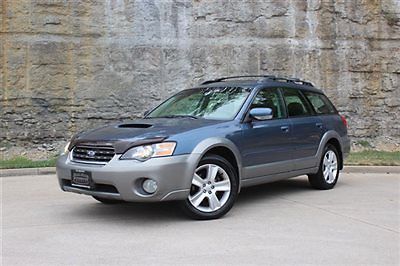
x: 224, y: 148
x: 335, y: 142
x: 333, y: 138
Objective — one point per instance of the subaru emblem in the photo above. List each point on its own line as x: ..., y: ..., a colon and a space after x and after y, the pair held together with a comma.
x: 91, y: 153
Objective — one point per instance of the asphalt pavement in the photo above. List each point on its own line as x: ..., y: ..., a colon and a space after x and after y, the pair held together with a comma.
x: 357, y: 223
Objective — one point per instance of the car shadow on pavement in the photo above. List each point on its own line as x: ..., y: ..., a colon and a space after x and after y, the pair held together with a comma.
x: 161, y: 212
x: 134, y: 212
x: 273, y: 190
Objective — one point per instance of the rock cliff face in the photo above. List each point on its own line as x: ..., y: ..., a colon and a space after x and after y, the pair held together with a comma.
x: 68, y: 65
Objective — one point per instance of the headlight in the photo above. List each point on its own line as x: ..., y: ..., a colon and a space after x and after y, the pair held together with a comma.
x: 66, y: 148
x: 145, y: 152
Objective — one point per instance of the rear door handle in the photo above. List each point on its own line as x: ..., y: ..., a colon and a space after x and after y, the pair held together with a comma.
x: 320, y: 125
x: 285, y: 129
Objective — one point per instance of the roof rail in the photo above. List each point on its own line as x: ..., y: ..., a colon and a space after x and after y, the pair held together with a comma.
x: 264, y: 77
x: 293, y: 80
x: 235, y: 77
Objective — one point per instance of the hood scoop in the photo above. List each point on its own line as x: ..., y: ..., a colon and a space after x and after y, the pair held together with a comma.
x: 134, y: 125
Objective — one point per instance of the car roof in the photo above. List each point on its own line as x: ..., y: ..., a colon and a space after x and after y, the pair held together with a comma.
x: 259, y: 82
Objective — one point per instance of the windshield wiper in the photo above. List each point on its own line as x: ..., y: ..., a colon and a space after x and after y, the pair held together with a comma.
x: 177, y: 116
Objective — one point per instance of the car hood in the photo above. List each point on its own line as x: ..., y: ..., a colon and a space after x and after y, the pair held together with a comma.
x: 125, y: 135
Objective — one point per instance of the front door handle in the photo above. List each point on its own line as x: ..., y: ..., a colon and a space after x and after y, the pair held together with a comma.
x: 285, y: 129
x: 320, y: 125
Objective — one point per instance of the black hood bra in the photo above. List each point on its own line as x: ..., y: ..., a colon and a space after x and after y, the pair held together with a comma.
x: 123, y: 136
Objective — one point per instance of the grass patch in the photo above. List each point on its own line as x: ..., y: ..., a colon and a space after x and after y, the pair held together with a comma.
x: 23, y: 162
x: 371, y: 157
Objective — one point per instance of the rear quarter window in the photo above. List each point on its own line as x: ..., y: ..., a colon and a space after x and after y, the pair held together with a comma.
x: 320, y: 103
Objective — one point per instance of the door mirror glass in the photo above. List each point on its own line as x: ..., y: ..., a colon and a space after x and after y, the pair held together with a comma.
x: 261, y: 113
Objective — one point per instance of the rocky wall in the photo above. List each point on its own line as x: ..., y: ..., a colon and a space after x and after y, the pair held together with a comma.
x: 69, y: 65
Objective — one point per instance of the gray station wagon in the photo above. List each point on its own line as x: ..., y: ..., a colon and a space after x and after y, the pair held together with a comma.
x: 204, y: 144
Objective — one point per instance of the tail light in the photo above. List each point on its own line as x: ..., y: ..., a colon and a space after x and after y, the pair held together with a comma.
x: 344, y: 120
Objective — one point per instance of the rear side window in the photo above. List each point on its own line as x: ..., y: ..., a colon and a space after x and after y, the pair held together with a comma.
x: 320, y: 103
x: 270, y: 98
x: 296, y: 104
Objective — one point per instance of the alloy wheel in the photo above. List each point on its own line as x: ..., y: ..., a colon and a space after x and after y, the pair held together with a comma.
x: 330, y: 166
x: 210, y: 188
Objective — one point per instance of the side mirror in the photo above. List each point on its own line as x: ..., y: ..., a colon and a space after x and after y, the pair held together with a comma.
x: 261, y: 113
x: 146, y: 112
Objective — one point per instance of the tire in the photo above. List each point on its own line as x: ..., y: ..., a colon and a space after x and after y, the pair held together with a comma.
x: 328, y: 172
x: 107, y: 201
x: 214, y: 189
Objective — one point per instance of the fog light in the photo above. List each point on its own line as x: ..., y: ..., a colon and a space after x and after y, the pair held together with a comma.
x: 150, y: 186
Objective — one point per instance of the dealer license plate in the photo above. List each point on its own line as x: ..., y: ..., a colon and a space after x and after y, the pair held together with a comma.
x: 81, y: 178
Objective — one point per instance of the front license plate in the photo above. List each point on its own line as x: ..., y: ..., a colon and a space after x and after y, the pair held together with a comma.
x: 80, y: 178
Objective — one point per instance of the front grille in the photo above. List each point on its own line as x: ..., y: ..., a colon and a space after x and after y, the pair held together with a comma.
x: 93, y: 153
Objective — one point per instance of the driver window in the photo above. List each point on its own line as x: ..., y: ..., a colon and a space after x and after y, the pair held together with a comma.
x: 270, y: 98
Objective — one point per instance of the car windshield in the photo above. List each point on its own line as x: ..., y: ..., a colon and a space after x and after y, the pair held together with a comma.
x: 209, y: 103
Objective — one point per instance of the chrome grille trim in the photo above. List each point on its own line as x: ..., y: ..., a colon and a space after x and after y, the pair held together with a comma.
x: 92, y: 153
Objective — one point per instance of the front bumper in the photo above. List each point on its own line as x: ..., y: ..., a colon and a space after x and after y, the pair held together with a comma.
x: 122, y: 179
